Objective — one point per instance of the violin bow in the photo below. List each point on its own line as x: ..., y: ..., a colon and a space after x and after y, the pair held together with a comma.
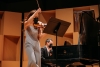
x: 38, y: 3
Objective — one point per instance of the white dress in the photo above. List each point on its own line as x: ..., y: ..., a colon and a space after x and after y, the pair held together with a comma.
x: 32, y: 46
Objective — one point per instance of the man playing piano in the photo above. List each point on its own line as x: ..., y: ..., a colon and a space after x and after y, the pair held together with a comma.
x: 47, y: 52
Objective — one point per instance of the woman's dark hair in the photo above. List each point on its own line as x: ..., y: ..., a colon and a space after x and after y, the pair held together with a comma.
x: 30, y: 14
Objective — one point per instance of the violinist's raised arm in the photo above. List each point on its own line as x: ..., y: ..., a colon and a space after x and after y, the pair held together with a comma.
x: 33, y: 34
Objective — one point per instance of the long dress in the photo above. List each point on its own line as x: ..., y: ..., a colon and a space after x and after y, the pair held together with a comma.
x: 32, y: 46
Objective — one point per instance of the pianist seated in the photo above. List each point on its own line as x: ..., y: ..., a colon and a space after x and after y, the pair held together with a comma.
x: 47, y: 53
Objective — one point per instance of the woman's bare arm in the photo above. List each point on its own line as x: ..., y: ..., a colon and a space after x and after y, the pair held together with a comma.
x: 30, y: 20
x: 41, y: 34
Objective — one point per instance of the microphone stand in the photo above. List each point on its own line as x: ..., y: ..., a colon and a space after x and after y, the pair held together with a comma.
x: 98, y: 20
x: 22, y: 35
x: 56, y: 27
x: 56, y: 31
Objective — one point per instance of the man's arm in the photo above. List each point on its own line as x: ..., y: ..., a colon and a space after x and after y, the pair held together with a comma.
x: 42, y: 53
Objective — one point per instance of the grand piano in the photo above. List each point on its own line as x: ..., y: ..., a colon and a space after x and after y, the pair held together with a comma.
x: 67, y: 55
x: 88, y: 52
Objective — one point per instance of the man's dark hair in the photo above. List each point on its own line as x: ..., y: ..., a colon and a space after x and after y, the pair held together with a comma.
x: 48, y: 40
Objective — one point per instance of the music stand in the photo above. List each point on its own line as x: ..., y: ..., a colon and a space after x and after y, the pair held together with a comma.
x: 56, y: 27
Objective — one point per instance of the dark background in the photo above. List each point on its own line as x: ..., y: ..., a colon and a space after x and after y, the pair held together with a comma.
x: 27, y: 5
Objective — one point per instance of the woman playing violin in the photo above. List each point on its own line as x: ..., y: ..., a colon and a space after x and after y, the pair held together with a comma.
x: 33, y: 33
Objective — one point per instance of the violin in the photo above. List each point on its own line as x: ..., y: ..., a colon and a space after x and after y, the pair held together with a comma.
x: 40, y: 25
